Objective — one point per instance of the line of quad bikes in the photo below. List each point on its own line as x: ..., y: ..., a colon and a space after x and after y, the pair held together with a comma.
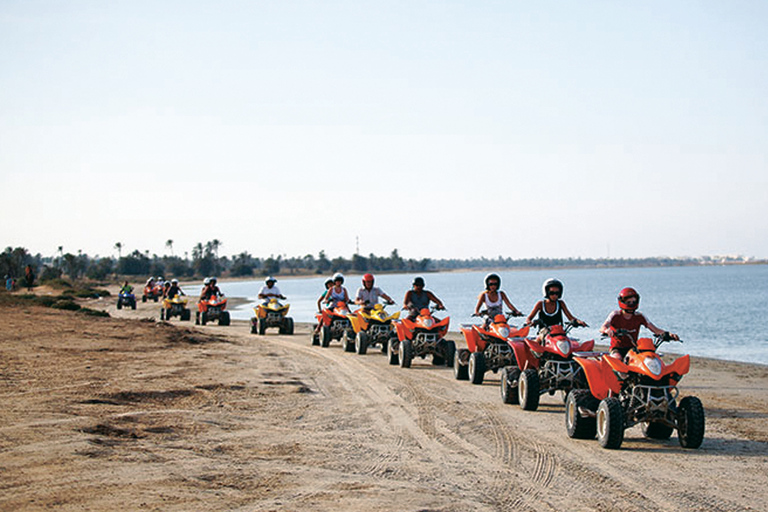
x: 603, y: 395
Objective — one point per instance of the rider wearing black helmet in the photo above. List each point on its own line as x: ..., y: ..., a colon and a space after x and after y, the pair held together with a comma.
x: 417, y: 298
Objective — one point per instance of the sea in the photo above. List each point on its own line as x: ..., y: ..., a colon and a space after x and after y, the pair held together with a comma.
x: 718, y: 311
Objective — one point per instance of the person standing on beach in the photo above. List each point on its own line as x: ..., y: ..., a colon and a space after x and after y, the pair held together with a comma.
x: 623, y: 325
x: 29, y: 277
x: 417, y: 298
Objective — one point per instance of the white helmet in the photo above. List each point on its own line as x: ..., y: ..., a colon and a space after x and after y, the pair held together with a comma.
x: 337, y: 276
x: 207, y: 280
x: 174, y: 281
x: 270, y: 279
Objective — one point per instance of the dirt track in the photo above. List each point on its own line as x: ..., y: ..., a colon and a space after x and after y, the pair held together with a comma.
x: 102, y: 414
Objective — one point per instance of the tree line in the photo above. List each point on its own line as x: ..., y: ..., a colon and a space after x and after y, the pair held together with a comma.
x: 205, y: 261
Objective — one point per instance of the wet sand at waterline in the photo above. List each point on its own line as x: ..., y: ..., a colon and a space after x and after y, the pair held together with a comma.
x: 135, y: 414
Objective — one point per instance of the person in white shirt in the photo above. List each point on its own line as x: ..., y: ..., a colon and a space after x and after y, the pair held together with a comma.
x: 270, y: 291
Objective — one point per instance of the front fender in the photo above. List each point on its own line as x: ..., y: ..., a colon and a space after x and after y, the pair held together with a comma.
x: 600, y: 377
x: 474, y: 342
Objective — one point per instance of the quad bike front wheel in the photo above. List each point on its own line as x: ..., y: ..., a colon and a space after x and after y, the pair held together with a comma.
x: 690, y: 422
x: 162, y: 314
x: 449, y: 353
x: 255, y: 326
x: 326, y: 336
x: 361, y: 343
x: 288, y: 325
x: 460, y: 368
x: 405, y: 352
x: 610, y: 423
x: 224, y: 318
x: 347, y: 342
x: 510, y: 376
x: 477, y: 367
x: 119, y: 304
x: 528, y: 390
x: 186, y: 314
x: 578, y: 426
x: 393, y: 351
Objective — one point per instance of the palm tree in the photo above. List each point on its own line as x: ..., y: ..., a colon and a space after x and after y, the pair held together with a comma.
x: 215, y: 244
x: 169, y: 245
x: 119, y: 247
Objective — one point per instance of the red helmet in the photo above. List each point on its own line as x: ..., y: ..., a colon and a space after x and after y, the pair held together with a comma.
x: 368, y: 278
x: 625, y: 299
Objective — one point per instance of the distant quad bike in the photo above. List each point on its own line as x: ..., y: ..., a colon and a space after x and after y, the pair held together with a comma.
x: 334, y: 325
x: 372, y: 326
x: 212, y: 310
x: 271, y: 314
x: 177, y: 306
x: 488, y: 348
x: 423, y: 336
x: 126, y: 299
x: 639, y: 389
x: 544, y: 368
x: 154, y: 292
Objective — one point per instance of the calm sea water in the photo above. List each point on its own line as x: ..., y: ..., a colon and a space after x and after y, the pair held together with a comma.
x: 719, y: 312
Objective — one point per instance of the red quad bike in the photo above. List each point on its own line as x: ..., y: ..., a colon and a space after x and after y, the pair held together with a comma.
x: 642, y: 388
x: 152, y: 292
x: 544, y: 368
x: 335, y: 326
x: 488, y: 348
x: 211, y: 310
x: 421, y: 337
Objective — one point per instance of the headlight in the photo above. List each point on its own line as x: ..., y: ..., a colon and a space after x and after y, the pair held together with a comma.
x: 564, y: 347
x: 428, y: 323
x: 653, y: 364
x: 504, y: 331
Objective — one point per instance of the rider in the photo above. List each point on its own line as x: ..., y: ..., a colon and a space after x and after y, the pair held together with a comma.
x: 174, y: 289
x: 623, y: 325
x: 493, y: 298
x: 417, y: 298
x: 205, y: 293
x: 368, y: 295
x: 550, y: 309
x: 328, y: 284
x: 269, y: 290
x: 126, y: 288
x: 337, y: 292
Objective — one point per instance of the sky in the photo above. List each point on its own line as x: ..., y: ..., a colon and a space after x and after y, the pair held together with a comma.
x: 442, y: 129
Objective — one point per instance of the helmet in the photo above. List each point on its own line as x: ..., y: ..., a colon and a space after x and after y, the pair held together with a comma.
x: 213, y: 280
x: 207, y: 280
x: 174, y: 281
x: 492, y: 277
x: 270, y: 279
x: 551, y: 283
x: 328, y: 282
x: 338, y: 276
x: 368, y: 278
x: 625, y: 296
x: 418, y: 281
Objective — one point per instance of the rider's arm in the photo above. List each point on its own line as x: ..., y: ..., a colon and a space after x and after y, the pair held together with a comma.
x: 658, y: 331
x: 533, y: 313
x: 569, y: 315
x: 509, y: 304
x: 606, y: 328
x: 407, y: 300
x: 479, y: 303
x: 434, y: 299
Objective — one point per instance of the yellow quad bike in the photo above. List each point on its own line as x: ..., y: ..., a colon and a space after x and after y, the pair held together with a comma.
x: 177, y: 306
x: 271, y: 314
x: 372, y: 326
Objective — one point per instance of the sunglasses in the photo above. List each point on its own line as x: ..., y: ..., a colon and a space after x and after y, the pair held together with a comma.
x: 493, y: 284
x: 557, y: 293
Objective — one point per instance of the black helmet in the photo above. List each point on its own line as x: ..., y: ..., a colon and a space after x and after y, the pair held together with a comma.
x: 492, y: 277
x: 418, y: 281
x: 551, y: 283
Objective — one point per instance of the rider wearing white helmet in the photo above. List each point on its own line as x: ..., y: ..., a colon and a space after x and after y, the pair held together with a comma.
x: 270, y: 291
x: 337, y: 292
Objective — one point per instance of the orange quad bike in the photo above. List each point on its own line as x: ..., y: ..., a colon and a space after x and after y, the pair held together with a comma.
x: 545, y: 368
x: 641, y: 388
x: 154, y: 292
x: 272, y: 313
x: 212, y: 310
x: 177, y: 306
x: 490, y: 346
x: 420, y: 337
x: 372, y: 326
x: 334, y: 323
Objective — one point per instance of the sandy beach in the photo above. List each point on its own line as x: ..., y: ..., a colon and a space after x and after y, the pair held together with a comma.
x: 135, y: 414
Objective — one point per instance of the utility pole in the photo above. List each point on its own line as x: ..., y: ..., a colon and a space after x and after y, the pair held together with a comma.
x: 357, y: 245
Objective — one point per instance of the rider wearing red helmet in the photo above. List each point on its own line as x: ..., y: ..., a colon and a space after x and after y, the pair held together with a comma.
x: 623, y: 325
x: 368, y: 295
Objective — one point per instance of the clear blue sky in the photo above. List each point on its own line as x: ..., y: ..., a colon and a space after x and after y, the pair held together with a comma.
x: 442, y: 129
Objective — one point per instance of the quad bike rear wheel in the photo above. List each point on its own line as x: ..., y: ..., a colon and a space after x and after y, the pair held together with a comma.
x: 162, y: 314
x: 460, y: 368
x: 361, y: 343
x: 133, y: 304
x: 186, y: 314
x: 255, y: 326
x: 262, y: 326
x: 449, y: 352
x: 510, y: 376
x: 288, y: 325
x: 203, y: 318
x: 477, y: 367
x: 119, y: 304
x: 578, y: 426
x: 610, y: 423
x: 224, y: 318
x: 528, y: 390
x: 405, y: 353
x: 690, y: 422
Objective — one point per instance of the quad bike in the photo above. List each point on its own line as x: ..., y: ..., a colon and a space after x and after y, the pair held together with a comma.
x: 641, y: 388
x: 545, y: 368
x: 271, y: 314
x: 372, y: 326
x: 211, y: 310
x: 154, y: 292
x: 489, y: 347
x: 335, y: 325
x: 177, y: 306
x: 421, y: 337
x: 126, y: 299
